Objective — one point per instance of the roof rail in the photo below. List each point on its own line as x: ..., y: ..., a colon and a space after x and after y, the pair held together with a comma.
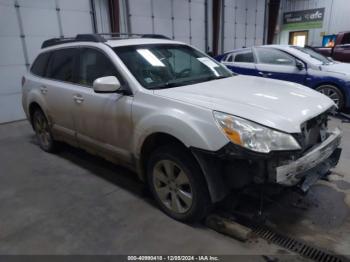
x: 97, y: 38
x: 79, y: 38
x: 121, y: 35
x: 155, y: 36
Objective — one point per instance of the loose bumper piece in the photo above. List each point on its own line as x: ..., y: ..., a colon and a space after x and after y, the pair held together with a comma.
x: 313, y: 165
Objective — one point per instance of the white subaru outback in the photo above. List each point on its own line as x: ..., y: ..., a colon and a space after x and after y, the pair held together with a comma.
x: 189, y: 127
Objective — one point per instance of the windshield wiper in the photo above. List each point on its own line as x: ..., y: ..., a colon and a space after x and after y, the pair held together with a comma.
x: 187, y: 82
x: 166, y: 85
x: 217, y: 77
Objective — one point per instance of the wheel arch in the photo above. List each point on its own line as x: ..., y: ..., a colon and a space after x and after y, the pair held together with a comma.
x: 338, y: 86
x: 214, y: 183
x: 34, y: 100
x: 33, y: 106
x: 151, y: 143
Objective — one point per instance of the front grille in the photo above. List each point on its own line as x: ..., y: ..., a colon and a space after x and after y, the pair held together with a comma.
x: 313, y: 131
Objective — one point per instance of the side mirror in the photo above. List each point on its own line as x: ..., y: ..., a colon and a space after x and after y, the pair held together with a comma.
x: 107, y: 84
x: 300, y: 65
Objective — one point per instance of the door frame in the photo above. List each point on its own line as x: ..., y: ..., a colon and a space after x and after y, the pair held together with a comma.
x: 290, y: 39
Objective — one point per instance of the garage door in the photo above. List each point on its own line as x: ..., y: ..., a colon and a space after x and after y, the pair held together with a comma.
x: 24, y: 25
x: 244, y: 23
x: 182, y: 20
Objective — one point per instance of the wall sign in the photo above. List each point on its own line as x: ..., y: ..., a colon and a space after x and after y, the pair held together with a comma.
x: 305, y: 19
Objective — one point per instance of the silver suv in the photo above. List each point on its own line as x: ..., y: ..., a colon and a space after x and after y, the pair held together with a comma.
x: 189, y: 127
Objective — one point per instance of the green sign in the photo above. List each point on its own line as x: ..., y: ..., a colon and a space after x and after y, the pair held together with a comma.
x: 305, y: 19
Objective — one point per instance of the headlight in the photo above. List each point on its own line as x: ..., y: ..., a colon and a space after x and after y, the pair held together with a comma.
x: 254, y: 136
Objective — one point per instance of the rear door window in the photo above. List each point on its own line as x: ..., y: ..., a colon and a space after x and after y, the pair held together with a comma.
x: 40, y: 64
x: 229, y: 58
x: 246, y: 57
x: 62, y: 63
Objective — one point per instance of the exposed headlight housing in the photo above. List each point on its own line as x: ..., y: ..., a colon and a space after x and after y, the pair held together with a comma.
x: 253, y: 136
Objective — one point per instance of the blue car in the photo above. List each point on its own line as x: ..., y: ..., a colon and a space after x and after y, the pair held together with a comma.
x: 295, y: 64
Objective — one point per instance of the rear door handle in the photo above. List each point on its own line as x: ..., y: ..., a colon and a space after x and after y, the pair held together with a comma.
x: 78, y: 99
x: 265, y: 74
x: 43, y: 90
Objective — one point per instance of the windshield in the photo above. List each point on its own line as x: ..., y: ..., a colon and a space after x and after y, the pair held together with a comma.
x: 168, y: 65
x: 314, y: 55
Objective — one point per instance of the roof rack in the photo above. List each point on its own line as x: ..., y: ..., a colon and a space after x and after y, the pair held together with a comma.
x: 97, y: 38
x: 129, y: 35
x: 79, y: 38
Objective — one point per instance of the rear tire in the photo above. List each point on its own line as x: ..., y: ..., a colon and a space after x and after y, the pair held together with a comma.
x: 43, y: 132
x: 333, y: 93
x: 177, y: 184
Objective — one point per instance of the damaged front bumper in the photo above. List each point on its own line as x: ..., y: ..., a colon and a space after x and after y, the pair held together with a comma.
x: 233, y: 167
x: 313, y: 165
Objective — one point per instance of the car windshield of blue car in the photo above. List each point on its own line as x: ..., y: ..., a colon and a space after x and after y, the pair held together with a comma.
x: 318, y: 58
x: 158, y: 66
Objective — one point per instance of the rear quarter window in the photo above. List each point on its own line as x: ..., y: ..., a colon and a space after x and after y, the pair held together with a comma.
x: 40, y: 64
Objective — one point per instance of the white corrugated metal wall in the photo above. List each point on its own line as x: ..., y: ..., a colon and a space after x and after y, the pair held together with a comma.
x: 24, y: 25
x: 243, y: 25
x: 336, y: 18
x: 190, y: 21
x: 183, y: 20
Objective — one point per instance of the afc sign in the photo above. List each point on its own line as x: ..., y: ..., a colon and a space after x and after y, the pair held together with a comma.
x: 314, y: 16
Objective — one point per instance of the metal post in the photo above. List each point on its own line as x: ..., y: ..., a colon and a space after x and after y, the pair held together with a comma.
x: 128, y: 19
x: 246, y: 26
x: 152, y: 16
x: 23, y: 41
x: 235, y: 33
x: 114, y: 11
x: 172, y: 20
x: 93, y: 16
x: 59, y: 19
x: 216, y: 25
x: 222, y: 26
x: 330, y: 17
x: 265, y: 21
x: 256, y: 19
x: 124, y: 16
x: 190, y: 20
x: 206, y: 25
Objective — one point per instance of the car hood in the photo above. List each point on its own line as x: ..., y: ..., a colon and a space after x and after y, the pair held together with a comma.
x: 341, y: 68
x: 273, y: 103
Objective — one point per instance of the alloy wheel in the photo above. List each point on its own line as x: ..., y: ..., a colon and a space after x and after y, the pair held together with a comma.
x: 331, y: 93
x: 42, y: 130
x: 172, y: 186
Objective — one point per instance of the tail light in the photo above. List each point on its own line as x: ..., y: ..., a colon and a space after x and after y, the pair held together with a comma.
x: 23, y: 80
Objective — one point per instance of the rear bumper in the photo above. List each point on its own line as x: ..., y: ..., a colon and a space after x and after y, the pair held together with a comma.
x: 313, y: 165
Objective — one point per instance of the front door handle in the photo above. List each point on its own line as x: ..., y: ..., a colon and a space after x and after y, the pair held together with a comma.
x: 265, y: 74
x: 78, y: 99
x: 43, y: 90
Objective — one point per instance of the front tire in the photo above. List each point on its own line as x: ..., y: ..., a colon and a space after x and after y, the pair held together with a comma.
x: 333, y: 93
x: 177, y: 184
x: 43, y: 132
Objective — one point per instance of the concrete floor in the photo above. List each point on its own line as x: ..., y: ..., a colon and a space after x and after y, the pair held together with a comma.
x: 75, y: 203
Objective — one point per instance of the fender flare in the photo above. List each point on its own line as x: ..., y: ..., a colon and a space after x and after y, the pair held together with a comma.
x: 187, y: 134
